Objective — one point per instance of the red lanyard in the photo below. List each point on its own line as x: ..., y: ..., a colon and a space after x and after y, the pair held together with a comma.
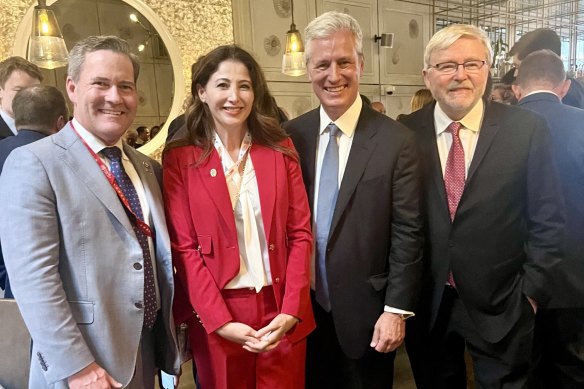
x: 145, y: 228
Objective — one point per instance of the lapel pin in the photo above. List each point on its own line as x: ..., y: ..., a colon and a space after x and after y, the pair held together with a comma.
x: 147, y: 166
x: 213, y: 172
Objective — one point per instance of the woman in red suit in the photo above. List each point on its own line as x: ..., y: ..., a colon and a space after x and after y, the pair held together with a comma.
x: 240, y: 230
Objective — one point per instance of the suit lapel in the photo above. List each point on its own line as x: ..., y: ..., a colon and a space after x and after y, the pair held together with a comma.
x: 213, y: 178
x: 77, y: 157
x: 489, y: 129
x: 309, y: 154
x: 264, y: 164
x: 430, y: 151
x: 149, y: 181
x: 5, y: 131
x: 361, y: 151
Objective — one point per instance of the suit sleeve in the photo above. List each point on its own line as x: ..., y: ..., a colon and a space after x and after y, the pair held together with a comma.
x: 203, y: 293
x: 405, y: 258
x: 545, y: 217
x: 31, y: 246
x: 297, y: 295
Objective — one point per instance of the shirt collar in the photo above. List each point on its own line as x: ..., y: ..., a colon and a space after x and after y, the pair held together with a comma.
x: 471, y: 121
x: 541, y: 91
x: 94, y: 142
x: 347, y: 122
x: 9, y: 120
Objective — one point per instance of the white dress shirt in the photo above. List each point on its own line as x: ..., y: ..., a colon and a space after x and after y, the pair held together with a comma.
x: 469, y: 133
x: 9, y: 120
x: 347, y: 123
x: 97, y: 145
x: 248, y: 203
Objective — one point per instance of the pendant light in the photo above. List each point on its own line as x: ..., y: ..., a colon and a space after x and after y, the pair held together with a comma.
x: 46, y: 47
x: 293, y: 60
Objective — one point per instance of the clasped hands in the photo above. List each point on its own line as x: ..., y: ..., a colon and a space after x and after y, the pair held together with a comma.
x: 262, y: 340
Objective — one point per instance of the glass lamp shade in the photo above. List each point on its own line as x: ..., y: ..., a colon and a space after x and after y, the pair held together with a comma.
x: 46, y: 47
x: 293, y: 60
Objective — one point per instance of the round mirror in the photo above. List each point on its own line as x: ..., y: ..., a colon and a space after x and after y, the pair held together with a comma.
x: 161, y: 83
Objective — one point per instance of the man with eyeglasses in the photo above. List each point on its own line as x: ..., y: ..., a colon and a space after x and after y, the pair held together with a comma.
x: 494, y: 222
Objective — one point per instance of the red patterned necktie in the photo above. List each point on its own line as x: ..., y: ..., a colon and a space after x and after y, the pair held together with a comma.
x: 454, y: 176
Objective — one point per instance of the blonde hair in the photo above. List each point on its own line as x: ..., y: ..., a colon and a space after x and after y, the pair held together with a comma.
x: 420, y: 98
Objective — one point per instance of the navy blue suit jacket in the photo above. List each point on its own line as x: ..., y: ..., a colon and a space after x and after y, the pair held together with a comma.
x: 575, y: 95
x: 566, y: 126
x: 5, y: 131
x: 8, y: 144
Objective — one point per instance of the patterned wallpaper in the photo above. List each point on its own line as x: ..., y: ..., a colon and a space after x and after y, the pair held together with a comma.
x: 197, y: 27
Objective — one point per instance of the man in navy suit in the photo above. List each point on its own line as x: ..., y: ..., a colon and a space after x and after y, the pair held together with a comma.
x: 38, y: 111
x: 16, y: 73
x: 494, y: 222
x: 541, y: 84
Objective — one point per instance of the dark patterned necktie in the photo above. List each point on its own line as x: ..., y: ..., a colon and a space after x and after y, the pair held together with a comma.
x: 454, y: 176
x: 114, y: 155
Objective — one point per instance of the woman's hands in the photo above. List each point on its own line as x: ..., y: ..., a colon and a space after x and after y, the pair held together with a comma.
x: 260, y: 341
x: 237, y: 333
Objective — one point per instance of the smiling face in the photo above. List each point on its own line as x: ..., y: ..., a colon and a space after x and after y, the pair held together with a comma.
x: 334, y: 68
x: 105, y: 96
x: 458, y: 93
x: 229, y: 96
x: 18, y: 80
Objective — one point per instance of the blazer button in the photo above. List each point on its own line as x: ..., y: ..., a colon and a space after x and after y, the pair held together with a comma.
x: 138, y: 305
x: 137, y: 266
x: 277, y: 280
x: 272, y: 247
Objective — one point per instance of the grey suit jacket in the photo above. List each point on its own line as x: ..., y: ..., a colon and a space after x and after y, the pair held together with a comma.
x: 72, y: 256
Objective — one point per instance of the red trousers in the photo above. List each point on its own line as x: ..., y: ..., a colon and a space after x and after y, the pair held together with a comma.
x: 222, y: 364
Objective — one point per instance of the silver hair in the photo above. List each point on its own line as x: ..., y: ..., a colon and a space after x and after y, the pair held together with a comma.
x: 96, y: 43
x: 329, y: 23
x: 444, y: 38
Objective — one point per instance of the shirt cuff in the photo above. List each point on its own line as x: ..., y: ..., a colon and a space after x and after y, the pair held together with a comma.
x: 404, y: 314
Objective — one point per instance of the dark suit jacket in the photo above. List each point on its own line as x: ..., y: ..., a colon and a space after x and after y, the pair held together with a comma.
x: 174, y: 126
x: 565, y: 124
x: 24, y: 137
x: 506, y: 234
x: 5, y: 131
x: 374, y: 246
x: 575, y: 95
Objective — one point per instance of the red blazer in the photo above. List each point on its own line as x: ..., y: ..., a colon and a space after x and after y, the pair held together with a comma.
x: 204, y: 238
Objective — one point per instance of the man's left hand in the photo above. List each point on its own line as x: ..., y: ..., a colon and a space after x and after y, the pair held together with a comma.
x: 389, y: 332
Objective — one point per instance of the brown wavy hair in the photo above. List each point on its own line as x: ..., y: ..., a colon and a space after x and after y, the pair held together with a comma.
x: 262, y: 121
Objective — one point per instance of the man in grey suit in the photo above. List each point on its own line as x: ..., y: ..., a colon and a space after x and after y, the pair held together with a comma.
x: 88, y: 250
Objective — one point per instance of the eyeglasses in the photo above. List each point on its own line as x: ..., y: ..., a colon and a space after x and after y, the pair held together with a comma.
x: 452, y: 67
